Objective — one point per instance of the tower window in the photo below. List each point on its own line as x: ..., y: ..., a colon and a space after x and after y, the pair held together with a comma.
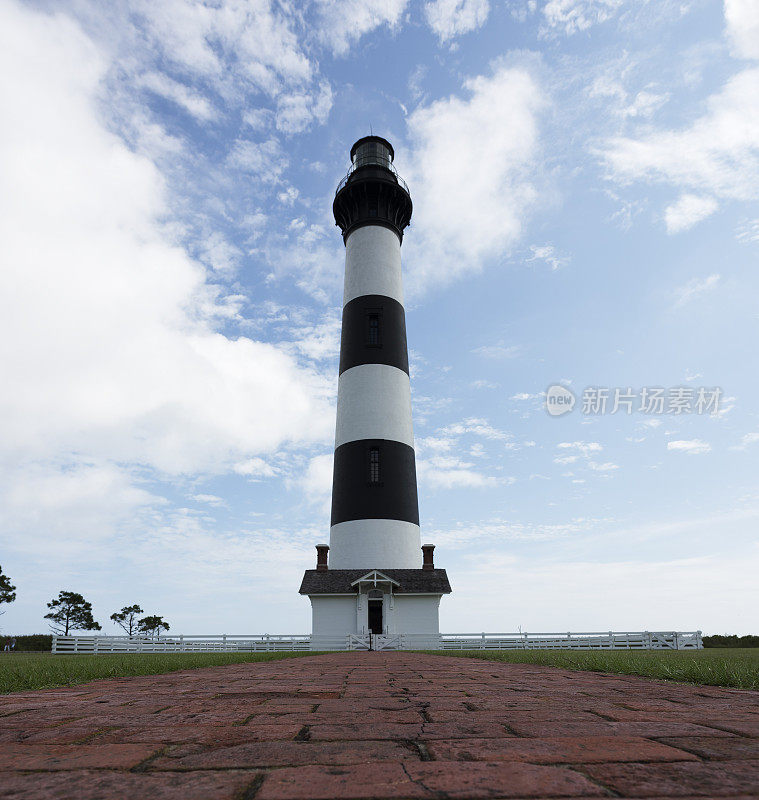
x: 374, y: 466
x: 373, y: 329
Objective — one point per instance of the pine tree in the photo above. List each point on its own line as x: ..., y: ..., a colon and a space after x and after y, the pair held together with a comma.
x: 71, y: 612
x: 7, y: 590
x: 126, y: 619
x: 152, y: 625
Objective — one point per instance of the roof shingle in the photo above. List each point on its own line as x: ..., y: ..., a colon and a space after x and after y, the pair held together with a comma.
x: 411, y: 581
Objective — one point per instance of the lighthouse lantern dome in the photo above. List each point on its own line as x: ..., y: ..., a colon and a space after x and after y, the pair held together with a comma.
x: 372, y: 151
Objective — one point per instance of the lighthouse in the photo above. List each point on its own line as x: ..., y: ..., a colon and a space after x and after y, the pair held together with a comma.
x: 375, y: 582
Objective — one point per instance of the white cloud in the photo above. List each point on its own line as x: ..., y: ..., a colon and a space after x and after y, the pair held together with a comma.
x: 316, y: 481
x: 541, y: 595
x: 609, y: 85
x: 67, y: 510
x: 246, y: 53
x: 687, y: 211
x: 451, y: 18
x: 288, y: 196
x: 343, y: 22
x: 449, y: 472
x: 607, y: 466
x: 266, y: 160
x: 437, y: 465
x: 255, y: 468
x: 211, y: 500
x: 644, y: 104
x: 748, y: 231
x: 318, y: 342
x: 586, y: 448
x: 749, y: 438
x: 296, y: 111
x: 470, y: 201
x: 742, y: 24
x: 717, y: 154
x: 476, y: 427
x: 694, y: 289
x: 498, y: 350
x: 691, y: 446
x: 252, y: 42
x: 111, y: 348
x: 219, y: 254
x: 572, y: 16
x: 192, y: 102
x: 436, y: 443
x: 463, y: 536
x: 310, y: 252
x: 547, y: 253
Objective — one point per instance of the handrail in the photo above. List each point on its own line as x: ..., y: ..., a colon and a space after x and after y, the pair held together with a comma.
x: 371, y: 161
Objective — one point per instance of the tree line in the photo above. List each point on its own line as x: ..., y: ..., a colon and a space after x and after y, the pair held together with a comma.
x: 71, y: 612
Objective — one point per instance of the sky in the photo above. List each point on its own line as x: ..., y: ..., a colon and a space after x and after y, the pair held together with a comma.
x: 585, y: 178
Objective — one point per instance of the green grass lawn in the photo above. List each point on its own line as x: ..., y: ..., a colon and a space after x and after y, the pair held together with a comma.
x: 23, y: 671
x: 735, y: 667
x: 738, y: 668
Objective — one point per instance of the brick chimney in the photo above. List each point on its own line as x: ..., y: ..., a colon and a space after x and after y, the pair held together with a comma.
x: 321, y: 557
x: 427, y: 559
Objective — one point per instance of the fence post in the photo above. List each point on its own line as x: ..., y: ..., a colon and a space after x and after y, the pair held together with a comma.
x: 181, y: 642
x: 55, y: 644
x: 224, y: 642
x: 95, y: 645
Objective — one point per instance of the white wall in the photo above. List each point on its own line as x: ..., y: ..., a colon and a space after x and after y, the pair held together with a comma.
x: 333, y: 616
x: 416, y: 614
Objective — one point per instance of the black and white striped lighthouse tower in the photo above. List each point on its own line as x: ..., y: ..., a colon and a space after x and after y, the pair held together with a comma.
x: 375, y: 514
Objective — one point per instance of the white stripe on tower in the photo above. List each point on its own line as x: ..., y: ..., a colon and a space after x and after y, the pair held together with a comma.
x: 374, y: 402
x: 373, y: 264
x: 374, y: 544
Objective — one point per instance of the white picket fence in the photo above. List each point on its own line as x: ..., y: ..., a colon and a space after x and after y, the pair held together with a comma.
x: 179, y: 644
x: 607, y: 640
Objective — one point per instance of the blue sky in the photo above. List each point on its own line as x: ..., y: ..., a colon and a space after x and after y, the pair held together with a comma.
x: 585, y: 177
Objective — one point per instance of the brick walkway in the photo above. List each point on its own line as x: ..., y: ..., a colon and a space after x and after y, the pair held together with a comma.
x: 379, y: 725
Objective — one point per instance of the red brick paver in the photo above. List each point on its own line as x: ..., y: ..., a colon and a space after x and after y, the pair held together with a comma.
x: 375, y: 726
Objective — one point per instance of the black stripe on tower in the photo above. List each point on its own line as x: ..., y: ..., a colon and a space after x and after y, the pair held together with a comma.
x: 374, y: 332
x: 374, y: 479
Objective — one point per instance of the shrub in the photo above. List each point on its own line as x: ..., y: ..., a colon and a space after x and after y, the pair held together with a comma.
x: 730, y: 640
x: 38, y: 642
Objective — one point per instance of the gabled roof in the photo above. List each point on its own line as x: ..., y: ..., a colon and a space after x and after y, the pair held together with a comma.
x: 405, y: 581
x: 375, y: 576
